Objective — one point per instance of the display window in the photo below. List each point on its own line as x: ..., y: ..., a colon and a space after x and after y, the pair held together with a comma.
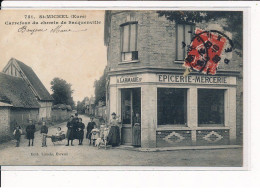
x: 211, y: 107
x: 172, y: 106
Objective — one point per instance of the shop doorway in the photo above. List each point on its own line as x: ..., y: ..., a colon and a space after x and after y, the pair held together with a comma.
x: 130, y: 105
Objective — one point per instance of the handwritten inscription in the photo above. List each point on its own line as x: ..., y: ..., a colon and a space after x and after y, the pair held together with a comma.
x: 57, y: 29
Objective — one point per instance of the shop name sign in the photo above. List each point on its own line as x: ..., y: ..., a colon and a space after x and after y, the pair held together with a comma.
x: 168, y: 78
x: 129, y: 79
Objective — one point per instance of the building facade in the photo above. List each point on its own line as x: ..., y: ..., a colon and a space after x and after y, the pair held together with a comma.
x: 17, y: 105
x: 145, y: 61
x: 17, y: 68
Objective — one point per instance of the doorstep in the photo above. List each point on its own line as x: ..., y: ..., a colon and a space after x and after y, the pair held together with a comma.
x: 132, y: 148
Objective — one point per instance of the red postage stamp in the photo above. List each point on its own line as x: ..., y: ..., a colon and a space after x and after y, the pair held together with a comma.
x: 204, y: 52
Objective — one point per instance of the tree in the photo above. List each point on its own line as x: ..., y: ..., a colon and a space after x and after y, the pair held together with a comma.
x: 62, y: 92
x: 233, y: 21
x: 100, y: 88
x: 81, y: 105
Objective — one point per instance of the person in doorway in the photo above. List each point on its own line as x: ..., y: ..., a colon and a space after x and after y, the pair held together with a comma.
x: 137, y: 130
x: 44, y: 132
x: 70, y: 135
x: 114, y: 133
x: 30, y: 130
x: 81, y: 127
x: 91, y: 125
x: 17, y: 135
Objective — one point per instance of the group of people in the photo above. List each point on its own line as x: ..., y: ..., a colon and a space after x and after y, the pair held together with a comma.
x: 30, y: 131
x: 75, y: 131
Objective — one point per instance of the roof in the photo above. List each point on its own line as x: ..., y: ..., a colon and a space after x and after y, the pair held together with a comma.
x: 14, y: 91
x: 2, y: 104
x: 36, y: 83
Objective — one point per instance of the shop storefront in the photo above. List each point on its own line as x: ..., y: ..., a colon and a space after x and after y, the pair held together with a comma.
x: 175, y: 110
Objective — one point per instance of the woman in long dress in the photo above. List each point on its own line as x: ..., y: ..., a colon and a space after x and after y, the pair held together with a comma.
x: 137, y: 130
x: 114, y: 133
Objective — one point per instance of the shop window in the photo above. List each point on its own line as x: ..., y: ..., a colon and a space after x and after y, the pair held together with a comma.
x: 172, y: 106
x: 210, y: 107
x: 184, y: 36
x: 129, y: 42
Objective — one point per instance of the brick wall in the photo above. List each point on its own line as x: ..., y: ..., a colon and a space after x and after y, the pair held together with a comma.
x: 171, y: 138
x: 156, y: 41
x: 156, y: 45
x: 5, y: 133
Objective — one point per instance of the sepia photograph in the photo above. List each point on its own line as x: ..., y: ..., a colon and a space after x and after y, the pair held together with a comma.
x: 161, y: 88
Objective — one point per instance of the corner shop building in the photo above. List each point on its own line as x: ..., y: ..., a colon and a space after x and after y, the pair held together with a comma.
x: 175, y: 110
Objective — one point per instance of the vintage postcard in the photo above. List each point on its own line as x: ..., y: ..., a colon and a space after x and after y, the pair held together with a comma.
x: 122, y: 87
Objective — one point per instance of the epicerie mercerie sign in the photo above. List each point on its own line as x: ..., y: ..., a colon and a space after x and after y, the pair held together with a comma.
x: 194, y: 79
x: 177, y: 79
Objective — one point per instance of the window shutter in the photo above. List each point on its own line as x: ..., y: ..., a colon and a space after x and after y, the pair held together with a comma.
x: 133, y: 36
x: 180, y: 39
x: 125, y: 47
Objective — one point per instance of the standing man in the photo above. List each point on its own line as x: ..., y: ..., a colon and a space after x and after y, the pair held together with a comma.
x: 75, y: 126
x: 70, y: 135
x: 91, y: 125
x: 30, y: 130
x: 44, y: 131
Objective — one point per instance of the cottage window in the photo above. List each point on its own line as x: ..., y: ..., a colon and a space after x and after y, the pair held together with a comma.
x: 184, y: 36
x: 172, y: 106
x: 129, y: 42
x: 211, y: 107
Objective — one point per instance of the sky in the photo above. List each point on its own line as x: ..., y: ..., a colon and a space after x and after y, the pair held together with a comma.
x: 77, y: 56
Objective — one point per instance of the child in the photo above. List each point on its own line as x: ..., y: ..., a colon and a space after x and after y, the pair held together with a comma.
x: 102, y: 128
x: 58, y: 136
x: 17, y: 135
x: 44, y: 131
x: 95, y: 134
x: 59, y: 132
x: 81, y: 127
x: 91, y: 125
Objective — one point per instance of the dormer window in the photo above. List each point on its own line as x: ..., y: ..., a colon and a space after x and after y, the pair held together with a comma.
x: 129, y: 42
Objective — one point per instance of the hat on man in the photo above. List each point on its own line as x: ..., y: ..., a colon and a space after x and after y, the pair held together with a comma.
x: 113, y: 113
